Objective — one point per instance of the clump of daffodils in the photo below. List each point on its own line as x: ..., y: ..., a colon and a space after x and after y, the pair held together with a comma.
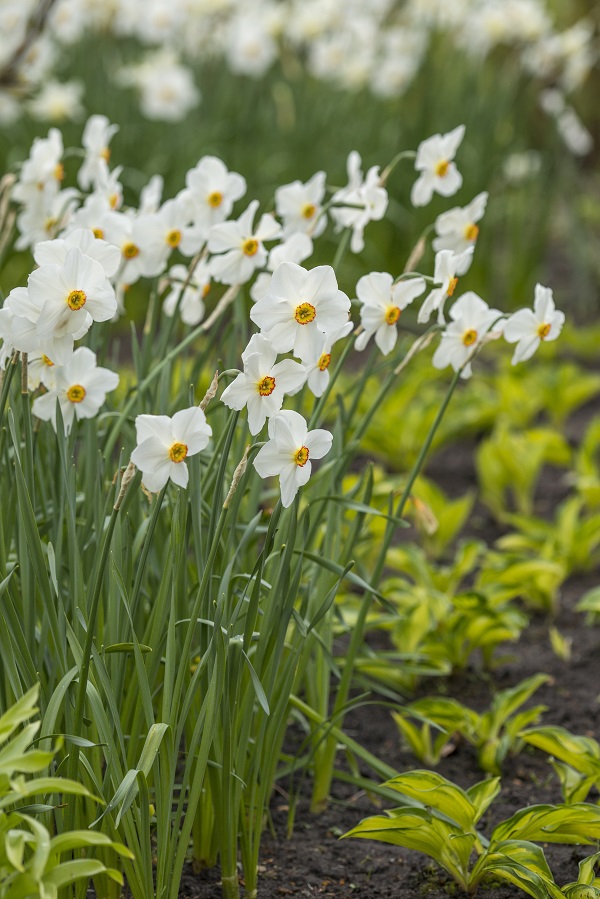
x: 89, y: 248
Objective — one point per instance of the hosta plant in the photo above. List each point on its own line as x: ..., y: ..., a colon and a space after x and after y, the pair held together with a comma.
x: 33, y: 863
x: 575, y: 759
x: 495, y: 733
x: 440, y: 820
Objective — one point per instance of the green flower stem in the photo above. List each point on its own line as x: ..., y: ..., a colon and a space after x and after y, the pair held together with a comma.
x: 87, y: 647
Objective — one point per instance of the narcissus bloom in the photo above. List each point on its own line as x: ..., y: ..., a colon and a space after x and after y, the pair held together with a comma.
x: 299, y: 206
x: 318, y: 363
x: 97, y: 135
x: 382, y: 304
x: 211, y: 192
x: 191, y: 303
x: 472, y: 319
x: 241, y: 246
x: 457, y: 229
x: 263, y: 383
x: 367, y: 201
x: 300, y: 308
x: 290, y: 452
x: 438, y: 173
x: 528, y: 328
x: 445, y: 275
x: 80, y: 388
x: 63, y: 301
x: 164, y: 443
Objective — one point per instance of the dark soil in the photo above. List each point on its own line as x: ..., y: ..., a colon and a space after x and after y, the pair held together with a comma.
x: 315, y: 862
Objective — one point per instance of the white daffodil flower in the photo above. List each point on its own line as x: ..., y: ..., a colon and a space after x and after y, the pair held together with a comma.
x: 41, y: 370
x: 191, y: 304
x: 43, y: 172
x: 317, y: 364
x: 367, y: 201
x: 300, y: 308
x: 295, y: 248
x: 382, y: 304
x: 123, y: 231
x: 63, y: 301
x: 445, y: 274
x: 299, y: 206
x: 159, y: 233
x: 290, y: 452
x: 457, y: 229
x: 164, y: 443
x: 241, y: 246
x: 472, y: 319
x: 438, y: 172
x: 97, y: 135
x: 211, y: 192
x: 80, y: 388
x: 528, y: 328
x: 263, y: 383
x: 50, y: 252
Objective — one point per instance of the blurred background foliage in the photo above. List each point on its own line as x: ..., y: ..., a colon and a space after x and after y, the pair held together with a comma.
x: 286, y: 125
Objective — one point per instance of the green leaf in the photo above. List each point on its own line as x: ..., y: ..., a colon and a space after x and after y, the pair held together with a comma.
x: 578, y: 823
x: 522, y: 864
x: 415, y: 828
x: 582, y: 753
x: 483, y: 794
x: 438, y: 794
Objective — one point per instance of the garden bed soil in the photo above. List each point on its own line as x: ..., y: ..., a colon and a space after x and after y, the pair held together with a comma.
x: 315, y: 862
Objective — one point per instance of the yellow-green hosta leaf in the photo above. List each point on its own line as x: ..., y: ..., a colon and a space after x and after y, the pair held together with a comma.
x: 483, y: 794
x: 582, y: 753
x: 578, y: 823
x: 439, y: 794
x: 521, y: 863
x: 418, y: 829
x: 22, y: 709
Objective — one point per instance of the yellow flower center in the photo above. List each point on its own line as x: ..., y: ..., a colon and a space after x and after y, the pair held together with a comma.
x: 215, y: 199
x: 250, y: 247
x: 543, y: 330
x: 471, y: 232
x: 452, y: 286
x: 308, y: 211
x: 130, y: 250
x: 98, y: 233
x: 305, y: 313
x: 59, y: 171
x: 205, y: 290
x: 50, y: 225
x: 113, y: 200
x: 469, y: 337
x: 441, y: 168
x: 392, y: 314
x: 105, y: 154
x: 47, y: 361
x: 178, y: 452
x: 300, y: 457
x: 324, y: 361
x: 266, y: 386
x: 76, y: 393
x: 174, y: 238
x: 76, y: 299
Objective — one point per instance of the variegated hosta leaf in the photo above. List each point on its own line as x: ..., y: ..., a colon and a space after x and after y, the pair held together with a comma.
x: 522, y: 864
x: 578, y: 823
x: 419, y: 829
